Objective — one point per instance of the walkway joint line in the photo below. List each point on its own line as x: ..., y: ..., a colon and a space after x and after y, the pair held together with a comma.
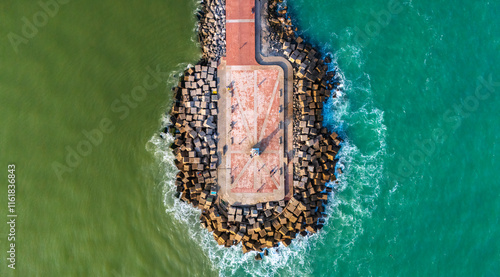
x: 240, y: 20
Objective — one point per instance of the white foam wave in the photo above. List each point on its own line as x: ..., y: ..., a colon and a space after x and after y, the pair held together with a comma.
x: 227, y: 261
x: 360, y: 185
x: 353, y: 203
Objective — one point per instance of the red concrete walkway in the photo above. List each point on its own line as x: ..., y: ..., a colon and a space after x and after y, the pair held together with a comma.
x: 240, y: 32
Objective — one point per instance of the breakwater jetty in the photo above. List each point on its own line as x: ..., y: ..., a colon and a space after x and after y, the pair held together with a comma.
x: 250, y: 147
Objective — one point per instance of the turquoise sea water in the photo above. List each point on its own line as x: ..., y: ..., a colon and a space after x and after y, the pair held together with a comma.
x: 420, y: 114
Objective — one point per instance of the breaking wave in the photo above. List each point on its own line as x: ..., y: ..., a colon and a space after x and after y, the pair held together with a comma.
x: 361, y: 125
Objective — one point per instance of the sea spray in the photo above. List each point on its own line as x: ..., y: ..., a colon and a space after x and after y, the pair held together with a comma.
x: 227, y: 261
x: 283, y: 260
x: 341, y: 229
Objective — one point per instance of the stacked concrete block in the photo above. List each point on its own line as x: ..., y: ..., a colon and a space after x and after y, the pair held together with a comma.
x: 195, y: 143
x: 212, y: 31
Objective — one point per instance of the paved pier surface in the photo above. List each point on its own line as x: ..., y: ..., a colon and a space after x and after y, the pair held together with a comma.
x: 240, y: 32
x: 251, y: 115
